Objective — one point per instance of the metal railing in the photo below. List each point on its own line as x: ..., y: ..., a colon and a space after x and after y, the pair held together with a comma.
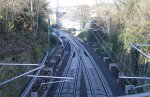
x: 29, y: 86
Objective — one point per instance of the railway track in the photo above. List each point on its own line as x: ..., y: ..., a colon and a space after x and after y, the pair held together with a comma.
x: 96, y: 85
x: 54, y: 65
x: 65, y: 74
x: 89, y: 82
x: 106, y: 91
x: 71, y: 71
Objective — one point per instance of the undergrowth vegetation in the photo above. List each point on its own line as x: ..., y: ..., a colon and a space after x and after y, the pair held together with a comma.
x: 130, y: 25
x: 23, y: 39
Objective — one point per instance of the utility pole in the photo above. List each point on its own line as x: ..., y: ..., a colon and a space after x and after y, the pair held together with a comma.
x: 31, y: 3
x: 32, y: 18
x: 37, y: 18
x: 96, y: 7
x: 110, y: 34
x: 78, y: 19
x: 49, y: 45
x: 6, y: 12
x: 110, y: 28
x: 57, y: 17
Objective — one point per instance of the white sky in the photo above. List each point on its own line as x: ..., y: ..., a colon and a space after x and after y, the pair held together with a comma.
x: 76, y: 2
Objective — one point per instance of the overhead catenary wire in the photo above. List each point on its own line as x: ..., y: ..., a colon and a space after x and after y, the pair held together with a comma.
x: 110, y: 57
x: 115, y: 55
x: 110, y: 49
x: 134, y: 46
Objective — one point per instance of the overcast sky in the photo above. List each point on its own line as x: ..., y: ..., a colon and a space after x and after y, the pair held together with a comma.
x: 76, y: 2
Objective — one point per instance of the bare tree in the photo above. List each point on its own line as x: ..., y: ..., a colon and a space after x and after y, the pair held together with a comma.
x: 84, y: 14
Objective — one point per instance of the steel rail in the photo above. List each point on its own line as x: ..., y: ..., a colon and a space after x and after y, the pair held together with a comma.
x: 102, y: 79
x: 66, y: 72
x: 77, y: 71
x: 100, y: 75
x: 105, y: 85
x: 80, y: 61
x: 88, y: 78
x: 76, y: 78
x: 81, y: 67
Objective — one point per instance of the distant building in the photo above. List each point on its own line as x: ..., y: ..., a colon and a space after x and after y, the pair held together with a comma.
x: 70, y: 20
